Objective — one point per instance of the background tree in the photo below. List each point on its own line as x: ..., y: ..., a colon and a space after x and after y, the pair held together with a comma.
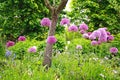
x: 22, y: 17
x: 97, y: 13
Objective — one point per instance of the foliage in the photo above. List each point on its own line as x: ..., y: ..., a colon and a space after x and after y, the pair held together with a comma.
x: 65, y: 67
x: 2, y: 44
x: 97, y: 13
x: 2, y: 49
x: 22, y: 18
x: 60, y: 44
x: 21, y: 47
x: 100, y: 50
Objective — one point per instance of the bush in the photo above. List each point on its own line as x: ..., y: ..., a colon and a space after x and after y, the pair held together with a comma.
x: 21, y: 47
x: 60, y: 44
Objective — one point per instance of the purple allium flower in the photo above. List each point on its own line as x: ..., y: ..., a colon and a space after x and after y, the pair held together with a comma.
x: 65, y: 21
x: 85, y: 35
x: 92, y: 36
x: 73, y: 28
x: 21, y: 38
x: 46, y: 22
x: 89, y: 33
x: 103, y: 36
x: 79, y: 47
x: 104, y: 28
x: 32, y: 49
x: 110, y: 38
x: 94, y: 43
x: 97, y: 33
x: 99, y: 42
x: 113, y: 50
x: 10, y: 43
x: 51, y: 39
x: 108, y: 33
x: 83, y: 26
x: 82, y: 31
x: 8, y: 53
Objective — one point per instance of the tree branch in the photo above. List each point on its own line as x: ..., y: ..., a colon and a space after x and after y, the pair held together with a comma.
x: 61, y: 5
x: 47, y: 4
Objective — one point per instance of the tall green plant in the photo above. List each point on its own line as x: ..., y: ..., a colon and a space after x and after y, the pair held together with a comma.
x: 2, y: 45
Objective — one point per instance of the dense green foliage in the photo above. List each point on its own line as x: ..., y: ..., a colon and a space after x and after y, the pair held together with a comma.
x: 97, y: 13
x: 22, y: 17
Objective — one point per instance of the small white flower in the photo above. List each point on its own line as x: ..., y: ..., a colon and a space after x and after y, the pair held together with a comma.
x: 95, y: 59
x: 102, y: 61
x: 106, y: 58
x: 102, y: 75
x: 68, y: 42
x: 66, y: 47
x: 114, y: 71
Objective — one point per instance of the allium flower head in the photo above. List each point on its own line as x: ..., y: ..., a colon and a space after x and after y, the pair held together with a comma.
x: 46, y: 22
x: 83, y: 26
x: 94, y: 43
x: 108, y: 33
x: 92, y: 36
x: 85, y: 35
x: 79, y: 47
x: 21, y: 38
x: 110, y: 38
x: 89, y: 33
x: 51, y: 39
x: 103, y: 36
x: 73, y: 28
x: 65, y: 21
x: 104, y: 28
x: 10, y: 43
x: 97, y: 33
x: 98, y: 42
x: 32, y: 49
x: 113, y: 50
x: 82, y: 31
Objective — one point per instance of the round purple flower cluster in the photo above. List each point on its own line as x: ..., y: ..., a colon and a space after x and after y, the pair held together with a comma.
x: 10, y: 43
x: 51, y: 39
x: 32, y: 49
x: 83, y: 26
x: 65, y: 21
x: 73, y: 28
x: 21, y: 38
x: 94, y: 43
x: 79, y: 47
x: 113, y: 50
x: 46, y: 22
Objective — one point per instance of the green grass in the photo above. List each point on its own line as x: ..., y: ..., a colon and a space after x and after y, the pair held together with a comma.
x: 65, y: 66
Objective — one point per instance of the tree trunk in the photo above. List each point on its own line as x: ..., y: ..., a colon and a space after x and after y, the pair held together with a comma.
x: 55, y: 12
x: 48, y: 50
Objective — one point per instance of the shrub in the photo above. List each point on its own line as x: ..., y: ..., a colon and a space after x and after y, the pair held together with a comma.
x: 21, y: 48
